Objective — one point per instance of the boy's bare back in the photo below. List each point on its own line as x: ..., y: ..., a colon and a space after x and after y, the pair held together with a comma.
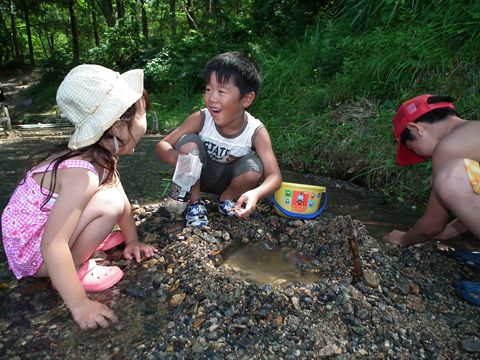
x: 460, y: 143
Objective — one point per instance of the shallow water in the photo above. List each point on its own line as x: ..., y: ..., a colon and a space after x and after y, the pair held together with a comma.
x: 263, y: 265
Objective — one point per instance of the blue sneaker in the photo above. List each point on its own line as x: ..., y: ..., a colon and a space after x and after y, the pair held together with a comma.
x: 469, y: 291
x: 227, y: 207
x: 197, y: 215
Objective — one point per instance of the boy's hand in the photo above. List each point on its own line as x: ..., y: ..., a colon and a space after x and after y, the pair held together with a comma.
x: 246, y: 204
x: 395, y: 237
x: 135, y: 248
x: 89, y: 314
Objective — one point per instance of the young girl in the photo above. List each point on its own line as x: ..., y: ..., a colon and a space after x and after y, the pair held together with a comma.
x: 71, y: 197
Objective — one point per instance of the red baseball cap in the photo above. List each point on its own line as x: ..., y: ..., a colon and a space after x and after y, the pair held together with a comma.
x: 408, y: 112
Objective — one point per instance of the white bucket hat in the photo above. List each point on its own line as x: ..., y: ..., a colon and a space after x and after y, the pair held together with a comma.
x: 93, y: 98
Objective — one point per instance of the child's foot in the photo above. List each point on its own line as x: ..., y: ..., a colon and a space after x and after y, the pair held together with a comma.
x: 197, y: 215
x: 227, y: 207
x: 95, y: 278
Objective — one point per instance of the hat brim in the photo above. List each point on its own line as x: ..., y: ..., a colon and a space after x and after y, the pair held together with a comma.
x: 127, y: 91
x: 405, y: 156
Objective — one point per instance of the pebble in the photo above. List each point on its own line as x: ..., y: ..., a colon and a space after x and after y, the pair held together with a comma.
x: 177, y: 299
x: 371, y: 278
x: 136, y: 292
x: 471, y: 345
x: 296, y: 303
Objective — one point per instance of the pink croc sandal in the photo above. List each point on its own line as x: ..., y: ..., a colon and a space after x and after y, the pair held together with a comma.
x: 96, y: 278
x: 112, y: 240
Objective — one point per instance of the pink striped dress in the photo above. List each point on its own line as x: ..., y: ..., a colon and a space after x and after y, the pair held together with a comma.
x: 23, y: 222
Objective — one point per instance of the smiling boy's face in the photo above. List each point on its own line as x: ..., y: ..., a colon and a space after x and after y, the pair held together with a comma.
x: 224, y: 102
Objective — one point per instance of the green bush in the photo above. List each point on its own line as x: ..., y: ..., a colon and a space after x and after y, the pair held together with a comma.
x: 121, y: 47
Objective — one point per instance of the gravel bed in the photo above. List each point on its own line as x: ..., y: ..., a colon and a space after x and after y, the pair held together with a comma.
x: 186, y: 304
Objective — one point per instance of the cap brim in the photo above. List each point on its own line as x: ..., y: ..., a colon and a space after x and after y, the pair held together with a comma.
x: 405, y: 156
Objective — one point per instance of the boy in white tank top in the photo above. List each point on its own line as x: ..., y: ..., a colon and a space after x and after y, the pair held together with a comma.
x: 235, y: 148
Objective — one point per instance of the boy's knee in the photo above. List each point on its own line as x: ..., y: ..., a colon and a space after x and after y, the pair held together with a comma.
x: 188, y: 147
x: 250, y: 177
x: 189, y: 142
x: 255, y: 176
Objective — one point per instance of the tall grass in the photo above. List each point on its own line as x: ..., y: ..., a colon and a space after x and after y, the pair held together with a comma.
x: 335, y: 91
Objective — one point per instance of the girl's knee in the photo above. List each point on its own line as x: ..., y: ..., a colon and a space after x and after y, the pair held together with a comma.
x: 108, y: 202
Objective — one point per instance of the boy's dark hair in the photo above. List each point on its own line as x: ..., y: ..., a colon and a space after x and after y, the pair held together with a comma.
x: 237, y: 65
x: 432, y: 116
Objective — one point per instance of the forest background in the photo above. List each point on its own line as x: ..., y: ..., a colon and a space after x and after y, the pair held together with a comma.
x: 334, y: 71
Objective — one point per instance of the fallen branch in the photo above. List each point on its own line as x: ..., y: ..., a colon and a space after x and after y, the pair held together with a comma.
x: 357, y: 262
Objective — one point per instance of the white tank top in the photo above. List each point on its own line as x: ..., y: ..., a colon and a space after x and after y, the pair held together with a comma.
x: 228, y: 148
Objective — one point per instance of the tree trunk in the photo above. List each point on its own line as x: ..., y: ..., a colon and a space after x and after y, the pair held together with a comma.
x: 6, y: 49
x: 120, y: 9
x: 13, y: 28
x: 190, y: 12
x: 51, y: 42
x: 107, y: 10
x: 144, y: 20
x: 47, y: 41
x: 94, y: 23
x: 74, y: 29
x: 45, y: 51
x: 29, y: 34
x: 7, y: 122
x: 173, y: 18
x: 209, y: 8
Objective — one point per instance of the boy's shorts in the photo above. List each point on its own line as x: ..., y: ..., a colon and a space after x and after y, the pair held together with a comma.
x: 216, y: 177
x: 473, y: 171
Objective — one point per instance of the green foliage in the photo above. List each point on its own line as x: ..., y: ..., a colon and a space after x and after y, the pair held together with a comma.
x: 121, y: 47
x: 174, y: 74
x: 283, y: 19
